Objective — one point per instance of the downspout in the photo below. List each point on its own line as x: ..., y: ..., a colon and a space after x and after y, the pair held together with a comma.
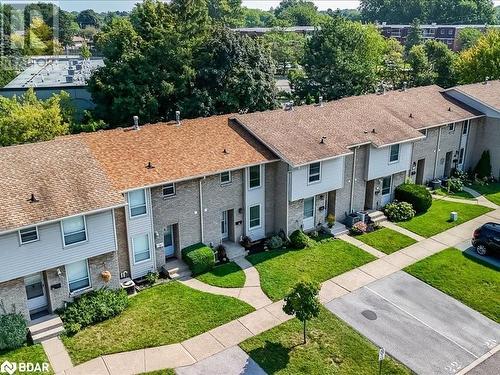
x: 152, y: 226
x: 201, y: 211
x: 437, y: 154
x: 288, y: 178
x: 353, y: 179
x: 466, y: 146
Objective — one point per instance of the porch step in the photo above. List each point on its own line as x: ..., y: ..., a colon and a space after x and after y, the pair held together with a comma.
x: 377, y: 216
x: 177, y: 269
x: 338, y: 229
x: 46, y: 328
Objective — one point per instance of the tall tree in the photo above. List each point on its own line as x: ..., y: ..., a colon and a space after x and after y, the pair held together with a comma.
x: 60, y: 21
x: 298, y: 13
x: 421, y: 73
x: 394, y: 68
x: 286, y: 48
x: 461, y: 12
x: 442, y: 61
x: 258, y: 18
x: 88, y: 18
x: 467, y: 37
x: 414, y: 35
x: 226, y: 12
x: 482, y: 60
x: 393, y: 11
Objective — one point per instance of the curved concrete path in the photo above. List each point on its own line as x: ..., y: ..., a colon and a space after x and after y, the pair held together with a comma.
x: 478, y: 199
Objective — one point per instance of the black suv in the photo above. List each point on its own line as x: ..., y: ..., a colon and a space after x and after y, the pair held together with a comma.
x: 486, y: 239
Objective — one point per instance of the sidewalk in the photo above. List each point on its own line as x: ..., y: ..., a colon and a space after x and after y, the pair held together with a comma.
x: 230, y: 334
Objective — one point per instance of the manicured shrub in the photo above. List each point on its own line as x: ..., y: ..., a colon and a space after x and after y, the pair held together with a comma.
x: 91, y: 308
x: 199, y: 258
x: 358, y: 228
x: 455, y: 185
x: 483, y: 167
x: 417, y: 195
x: 299, y: 239
x: 152, y: 277
x: 275, y: 242
x: 399, y: 211
x: 12, y: 331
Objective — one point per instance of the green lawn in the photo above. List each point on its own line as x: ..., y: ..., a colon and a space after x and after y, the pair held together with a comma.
x: 436, y: 219
x: 32, y: 353
x: 386, y: 240
x: 167, y: 371
x: 228, y: 275
x: 490, y: 191
x: 164, y: 314
x: 280, y: 270
x: 460, y: 195
x: 332, y: 348
x: 465, y: 279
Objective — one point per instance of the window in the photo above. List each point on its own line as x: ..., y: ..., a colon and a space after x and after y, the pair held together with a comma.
x: 254, y: 219
x: 168, y: 190
x: 137, y: 202
x: 465, y: 128
x: 461, y: 156
x: 225, y: 177
x: 442, y: 31
x: 314, y: 172
x: 254, y: 179
x: 424, y: 132
x: 450, y: 32
x: 140, y: 246
x: 386, y: 185
x: 308, y: 208
x: 28, y: 235
x: 394, y: 154
x: 74, y: 230
x: 78, y: 275
x: 451, y: 127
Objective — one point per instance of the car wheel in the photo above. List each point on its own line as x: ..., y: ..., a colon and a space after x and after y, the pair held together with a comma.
x: 481, y: 249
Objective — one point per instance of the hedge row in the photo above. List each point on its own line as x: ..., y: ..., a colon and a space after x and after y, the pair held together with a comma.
x: 417, y: 195
x: 199, y: 258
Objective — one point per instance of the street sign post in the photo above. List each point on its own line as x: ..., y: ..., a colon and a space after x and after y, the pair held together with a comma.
x: 381, y: 356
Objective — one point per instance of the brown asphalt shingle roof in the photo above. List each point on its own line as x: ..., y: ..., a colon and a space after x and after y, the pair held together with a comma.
x: 488, y: 93
x: 296, y: 135
x: 62, y: 174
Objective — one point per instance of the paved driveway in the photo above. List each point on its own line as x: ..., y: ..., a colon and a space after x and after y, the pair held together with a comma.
x: 492, y: 260
x: 422, y: 327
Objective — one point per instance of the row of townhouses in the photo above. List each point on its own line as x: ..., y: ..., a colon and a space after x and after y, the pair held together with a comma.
x: 128, y: 199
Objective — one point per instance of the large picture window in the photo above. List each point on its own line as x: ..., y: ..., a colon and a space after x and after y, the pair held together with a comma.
x: 74, y: 230
x: 141, y: 248
x: 137, y: 202
x: 78, y: 275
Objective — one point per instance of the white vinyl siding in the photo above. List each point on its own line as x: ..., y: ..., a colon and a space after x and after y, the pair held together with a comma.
x: 140, y: 245
x: 28, y: 235
x: 254, y: 217
x: 314, y: 174
x: 78, y: 275
x: 74, y: 230
x: 394, y: 154
x: 137, y: 203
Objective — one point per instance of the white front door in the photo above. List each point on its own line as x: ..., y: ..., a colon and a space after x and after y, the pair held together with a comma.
x: 168, y: 241
x: 223, y: 226
x: 308, y: 221
x: 35, y: 291
x: 386, y: 190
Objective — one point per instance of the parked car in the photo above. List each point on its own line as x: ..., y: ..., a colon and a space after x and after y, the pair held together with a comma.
x: 486, y: 239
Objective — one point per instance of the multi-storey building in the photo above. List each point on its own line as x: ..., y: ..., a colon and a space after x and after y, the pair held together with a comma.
x: 122, y: 202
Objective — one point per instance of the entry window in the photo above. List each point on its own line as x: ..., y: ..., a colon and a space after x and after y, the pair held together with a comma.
x: 137, y: 202
x: 254, y: 179
x: 34, y: 286
x: 465, y: 128
x: 254, y: 219
x: 451, y: 127
x: 168, y: 190
x: 314, y: 172
x: 394, y: 154
x: 225, y: 177
x: 141, y: 248
x: 78, y: 275
x: 461, y: 156
x: 28, y: 235
x: 386, y: 185
x: 74, y: 230
x: 308, y: 208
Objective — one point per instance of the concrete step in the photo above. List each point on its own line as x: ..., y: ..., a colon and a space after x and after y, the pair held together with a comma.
x: 176, y: 268
x: 47, y: 323
x: 377, y: 216
x: 179, y: 275
x: 48, y: 334
x: 338, y: 229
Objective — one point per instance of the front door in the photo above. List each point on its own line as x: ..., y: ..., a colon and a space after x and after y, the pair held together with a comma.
x: 308, y: 222
x: 35, y: 292
x: 168, y: 241
x: 386, y: 190
x: 447, y: 164
x: 419, y: 180
x: 223, y: 226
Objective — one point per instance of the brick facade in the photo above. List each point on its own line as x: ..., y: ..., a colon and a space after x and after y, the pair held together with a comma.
x: 122, y: 240
x: 13, y: 297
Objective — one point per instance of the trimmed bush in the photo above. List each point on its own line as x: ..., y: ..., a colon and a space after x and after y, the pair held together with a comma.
x: 91, y: 308
x: 299, y: 239
x: 12, y: 331
x: 199, y: 258
x: 399, y: 211
x: 455, y: 185
x: 275, y: 242
x: 416, y: 195
x: 358, y: 228
x: 483, y: 167
x: 152, y: 277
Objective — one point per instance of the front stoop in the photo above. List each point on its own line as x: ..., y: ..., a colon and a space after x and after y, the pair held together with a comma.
x: 338, y: 229
x: 45, y: 328
x: 377, y: 216
x: 177, y: 269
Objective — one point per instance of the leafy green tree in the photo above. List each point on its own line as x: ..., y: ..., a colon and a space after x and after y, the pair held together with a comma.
x: 298, y: 13
x: 467, y: 37
x: 481, y: 61
x: 461, y: 12
x: 55, y: 18
x: 483, y: 167
x: 394, y: 68
x: 286, y: 48
x: 343, y: 58
x: 226, y: 12
x: 421, y: 73
x: 7, y: 71
x: 85, y: 51
x: 27, y: 119
x: 393, y: 11
x: 442, y: 61
x: 303, y: 302
x: 414, y: 35
x: 257, y: 18
x: 88, y: 18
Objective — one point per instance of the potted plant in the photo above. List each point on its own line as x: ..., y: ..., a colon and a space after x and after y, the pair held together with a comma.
x: 106, y: 276
x: 330, y: 219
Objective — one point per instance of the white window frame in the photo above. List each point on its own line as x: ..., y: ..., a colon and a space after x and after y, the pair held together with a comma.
x: 172, y: 184
x: 64, y: 235
x: 133, y: 248
x: 130, y: 206
x: 260, y: 177
x: 250, y: 218
x: 313, y: 207
x: 309, y: 175
x: 230, y: 175
x: 30, y: 241
x: 390, y: 153
x: 88, y: 277
x: 382, y: 186
x: 465, y: 128
x: 451, y: 127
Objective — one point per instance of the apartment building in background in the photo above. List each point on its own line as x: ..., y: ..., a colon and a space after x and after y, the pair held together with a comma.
x: 125, y: 201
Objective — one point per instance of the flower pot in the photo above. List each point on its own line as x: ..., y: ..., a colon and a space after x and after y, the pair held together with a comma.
x: 106, y: 276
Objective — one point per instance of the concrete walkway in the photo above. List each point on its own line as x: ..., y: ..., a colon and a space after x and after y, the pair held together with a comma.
x: 57, y: 354
x: 361, y: 245
x: 264, y: 318
x: 477, y: 200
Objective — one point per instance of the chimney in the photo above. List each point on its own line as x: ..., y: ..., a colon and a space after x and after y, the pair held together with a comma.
x: 136, y: 122
x: 178, y: 117
x: 320, y: 101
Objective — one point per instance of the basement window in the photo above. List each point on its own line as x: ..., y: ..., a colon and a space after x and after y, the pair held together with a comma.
x: 28, y: 235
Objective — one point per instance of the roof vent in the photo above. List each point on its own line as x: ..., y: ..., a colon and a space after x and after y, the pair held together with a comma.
x: 320, y: 101
x: 178, y: 117
x: 411, y: 115
x: 289, y: 106
x: 225, y: 152
x: 322, y: 140
x: 33, y: 199
x: 374, y: 131
x: 136, y: 122
x: 449, y: 109
x: 150, y: 165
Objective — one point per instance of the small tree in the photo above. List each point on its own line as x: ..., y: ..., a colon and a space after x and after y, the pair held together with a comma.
x: 303, y: 302
x: 483, y: 167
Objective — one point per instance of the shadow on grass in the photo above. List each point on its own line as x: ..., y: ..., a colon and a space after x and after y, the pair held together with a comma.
x: 272, y: 357
x: 487, y: 261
